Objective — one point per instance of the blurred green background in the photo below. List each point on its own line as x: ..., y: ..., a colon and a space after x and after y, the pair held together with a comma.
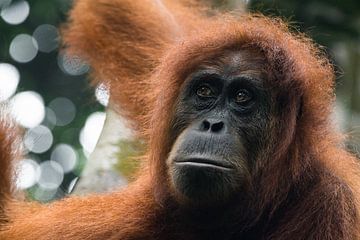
x: 50, y: 96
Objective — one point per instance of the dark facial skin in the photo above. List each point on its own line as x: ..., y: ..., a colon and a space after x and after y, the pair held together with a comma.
x: 221, y: 121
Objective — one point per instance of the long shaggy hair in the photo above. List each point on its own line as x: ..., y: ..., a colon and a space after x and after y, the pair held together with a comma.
x: 306, y: 186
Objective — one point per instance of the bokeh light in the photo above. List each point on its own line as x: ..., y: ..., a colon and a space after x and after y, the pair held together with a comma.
x: 38, y: 139
x: 64, y: 110
x: 28, y: 108
x: 23, y: 48
x: 9, y: 80
x: 50, y: 118
x: 47, y: 37
x: 90, y: 133
x: 44, y: 195
x: 102, y: 94
x: 27, y: 173
x: 16, y: 12
x: 50, y: 175
x: 66, y: 156
x: 4, y: 3
x: 72, y: 65
x: 33, y: 74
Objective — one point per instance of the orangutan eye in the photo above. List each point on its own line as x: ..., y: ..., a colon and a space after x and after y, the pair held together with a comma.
x: 204, y: 91
x: 243, y: 96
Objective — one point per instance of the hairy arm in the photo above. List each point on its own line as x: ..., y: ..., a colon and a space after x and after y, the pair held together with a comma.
x: 124, y: 215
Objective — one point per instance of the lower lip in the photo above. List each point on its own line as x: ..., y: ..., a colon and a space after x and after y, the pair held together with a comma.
x: 203, y: 165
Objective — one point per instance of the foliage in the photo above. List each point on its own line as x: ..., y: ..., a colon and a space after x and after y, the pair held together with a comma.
x: 128, y: 157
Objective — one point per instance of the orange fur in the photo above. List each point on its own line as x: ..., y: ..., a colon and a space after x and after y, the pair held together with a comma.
x: 307, y: 189
x: 10, y: 150
x: 123, y: 42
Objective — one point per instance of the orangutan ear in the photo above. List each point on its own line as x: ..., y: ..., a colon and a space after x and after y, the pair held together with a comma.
x: 122, y: 40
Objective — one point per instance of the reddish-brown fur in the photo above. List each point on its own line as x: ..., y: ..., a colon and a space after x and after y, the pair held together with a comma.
x: 10, y: 151
x: 306, y: 185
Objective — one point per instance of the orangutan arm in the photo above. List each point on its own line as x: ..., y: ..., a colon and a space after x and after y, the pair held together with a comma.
x: 122, y: 215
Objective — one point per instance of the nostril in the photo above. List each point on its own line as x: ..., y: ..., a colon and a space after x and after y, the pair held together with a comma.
x: 205, y: 125
x: 217, y: 127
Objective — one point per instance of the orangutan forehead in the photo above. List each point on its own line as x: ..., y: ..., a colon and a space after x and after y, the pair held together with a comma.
x: 247, y: 61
